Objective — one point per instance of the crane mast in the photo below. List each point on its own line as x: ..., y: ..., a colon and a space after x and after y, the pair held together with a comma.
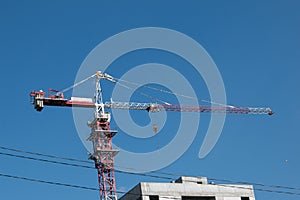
x: 103, y: 152
x: 101, y: 134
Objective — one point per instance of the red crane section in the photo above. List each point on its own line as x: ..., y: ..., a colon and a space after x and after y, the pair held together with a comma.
x: 39, y: 100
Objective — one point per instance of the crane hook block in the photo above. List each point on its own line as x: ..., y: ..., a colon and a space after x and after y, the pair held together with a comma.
x: 155, y: 129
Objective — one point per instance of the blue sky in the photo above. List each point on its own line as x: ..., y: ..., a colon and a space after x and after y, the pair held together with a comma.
x: 255, y: 45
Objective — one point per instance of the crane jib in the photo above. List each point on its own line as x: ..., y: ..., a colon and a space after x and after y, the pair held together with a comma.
x: 39, y: 100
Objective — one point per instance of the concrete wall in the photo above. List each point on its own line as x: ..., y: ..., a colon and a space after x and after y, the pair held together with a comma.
x: 133, y: 194
x: 167, y: 191
x: 193, y: 189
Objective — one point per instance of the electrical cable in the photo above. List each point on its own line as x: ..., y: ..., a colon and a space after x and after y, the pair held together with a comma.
x: 70, y: 185
x: 132, y: 173
x: 161, y: 173
x: 81, y: 166
x: 47, y: 182
x: 44, y: 160
x: 68, y: 159
x: 122, y: 192
x: 44, y: 155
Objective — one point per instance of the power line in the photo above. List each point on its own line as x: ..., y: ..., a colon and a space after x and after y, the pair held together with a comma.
x: 119, y: 171
x: 44, y: 155
x: 83, y: 166
x: 77, y: 165
x: 256, y: 184
x: 69, y: 159
x: 133, y: 173
x: 67, y: 184
x: 222, y: 180
x: 44, y: 160
x: 122, y: 192
x: 48, y: 182
x: 262, y: 190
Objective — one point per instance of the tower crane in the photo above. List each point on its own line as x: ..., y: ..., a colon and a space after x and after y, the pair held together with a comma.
x: 101, y: 134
